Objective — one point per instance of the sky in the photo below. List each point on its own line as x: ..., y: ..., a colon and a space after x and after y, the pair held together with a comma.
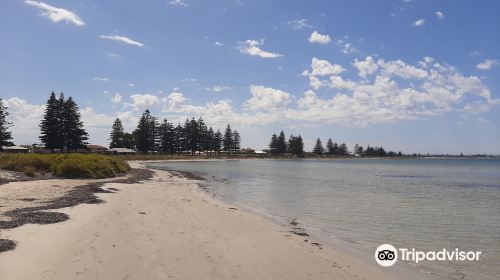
x: 417, y: 76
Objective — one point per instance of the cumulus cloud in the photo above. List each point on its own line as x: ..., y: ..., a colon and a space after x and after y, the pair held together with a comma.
x: 319, y: 38
x: 117, y: 98
x: 439, y: 15
x: 365, y: 67
x: 267, y: 99
x: 322, y: 67
x: 218, y: 44
x: 419, y: 22
x: 397, y: 91
x: 141, y: 101
x: 252, y: 47
x: 487, y: 64
x: 122, y: 39
x: 56, y: 14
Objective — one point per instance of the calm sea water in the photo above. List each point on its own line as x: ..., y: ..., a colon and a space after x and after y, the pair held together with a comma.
x: 427, y: 204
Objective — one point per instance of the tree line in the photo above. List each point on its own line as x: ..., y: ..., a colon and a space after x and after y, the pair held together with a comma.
x: 61, y: 127
x: 152, y: 135
x: 279, y: 145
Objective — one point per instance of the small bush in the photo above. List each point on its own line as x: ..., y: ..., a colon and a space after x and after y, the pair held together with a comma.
x: 65, y: 165
x: 29, y: 171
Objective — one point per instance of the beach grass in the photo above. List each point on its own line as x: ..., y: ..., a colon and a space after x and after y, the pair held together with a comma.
x: 72, y: 165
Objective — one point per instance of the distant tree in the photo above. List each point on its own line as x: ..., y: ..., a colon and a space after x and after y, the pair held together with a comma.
x: 217, y: 142
x: 329, y: 147
x: 295, y: 145
x: 336, y: 149
x: 318, y: 148
x: 129, y: 141
x: 209, y: 141
x: 146, y: 133
x: 5, y: 134
x: 343, y: 149
x: 117, y: 135
x: 50, y: 125
x: 179, y: 137
x: 358, y: 150
x: 281, y: 147
x: 203, y: 137
x: 236, y: 142
x: 166, y: 137
x: 74, y: 136
x: 273, y: 145
x: 228, y: 140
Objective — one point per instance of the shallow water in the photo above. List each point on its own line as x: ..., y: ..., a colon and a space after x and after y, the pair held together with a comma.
x: 427, y: 204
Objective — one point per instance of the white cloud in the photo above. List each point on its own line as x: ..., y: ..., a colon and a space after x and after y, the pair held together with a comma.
x: 122, y: 39
x: 348, y: 48
x: 117, y: 98
x: 218, y: 44
x: 365, y: 67
x: 143, y: 100
x: 56, y: 14
x: 174, y: 101
x: 267, y: 99
x: 100, y: 79
x: 439, y: 15
x: 319, y: 38
x: 218, y: 88
x: 419, y: 22
x: 114, y: 56
x: 487, y: 64
x: 131, y: 85
x: 252, y: 47
x: 322, y: 67
x: 181, y: 3
x: 299, y: 24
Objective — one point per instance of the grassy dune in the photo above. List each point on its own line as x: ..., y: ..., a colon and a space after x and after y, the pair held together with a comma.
x: 65, y: 165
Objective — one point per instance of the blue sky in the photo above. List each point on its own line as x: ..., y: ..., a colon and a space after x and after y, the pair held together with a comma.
x: 417, y: 76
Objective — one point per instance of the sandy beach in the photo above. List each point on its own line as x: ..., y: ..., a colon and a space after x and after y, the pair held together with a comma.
x: 166, y: 228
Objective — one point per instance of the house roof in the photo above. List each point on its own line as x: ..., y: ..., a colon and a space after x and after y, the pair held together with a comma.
x: 13, y: 148
x: 122, y: 150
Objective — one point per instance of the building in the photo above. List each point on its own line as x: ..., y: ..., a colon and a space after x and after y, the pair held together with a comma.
x: 97, y: 148
x: 122, y: 151
x: 15, y: 150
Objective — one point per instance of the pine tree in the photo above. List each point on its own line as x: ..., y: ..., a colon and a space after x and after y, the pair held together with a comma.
x: 228, y: 140
x: 203, y: 140
x: 117, y: 135
x: 166, y: 137
x: 318, y: 148
x: 236, y: 141
x: 329, y: 147
x: 50, y: 125
x: 336, y: 150
x: 281, y: 143
x: 273, y: 145
x: 217, y: 144
x: 295, y: 145
x: 5, y: 134
x: 146, y: 133
x: 210, y: 141
x: 129, y: 140
x: 179, y: 137
x: 74, y: 136
x: 343, y: 149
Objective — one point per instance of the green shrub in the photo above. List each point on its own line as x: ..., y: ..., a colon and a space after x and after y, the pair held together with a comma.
x: 65, y: 165
x: 29, y: 171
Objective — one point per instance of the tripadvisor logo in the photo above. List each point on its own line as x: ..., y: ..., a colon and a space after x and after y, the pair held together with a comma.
x: 387, y: 255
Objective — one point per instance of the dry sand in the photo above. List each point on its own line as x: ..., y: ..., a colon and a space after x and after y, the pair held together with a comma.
x: 167, y: 228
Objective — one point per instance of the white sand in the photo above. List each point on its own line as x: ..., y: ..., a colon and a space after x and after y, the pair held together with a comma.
x: 184, y: 234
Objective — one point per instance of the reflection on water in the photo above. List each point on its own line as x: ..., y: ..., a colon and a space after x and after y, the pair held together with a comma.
x: 426, y: 204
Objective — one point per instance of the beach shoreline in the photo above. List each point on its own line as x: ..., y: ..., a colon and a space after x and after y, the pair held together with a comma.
x: 168, y: 226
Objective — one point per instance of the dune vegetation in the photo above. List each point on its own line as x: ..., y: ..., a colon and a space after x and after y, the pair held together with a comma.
x: 72, y: 165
